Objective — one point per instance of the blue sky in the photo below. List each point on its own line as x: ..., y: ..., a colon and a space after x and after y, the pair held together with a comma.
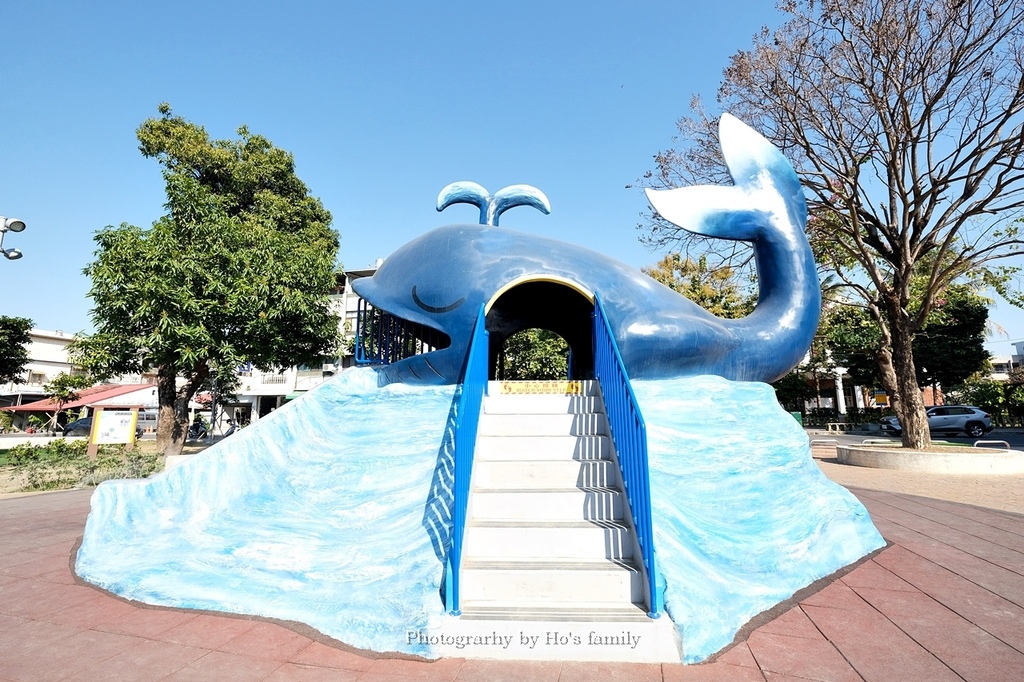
x: 382, y: 104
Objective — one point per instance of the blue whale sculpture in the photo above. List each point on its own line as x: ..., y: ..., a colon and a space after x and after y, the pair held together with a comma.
x: 441, y: 279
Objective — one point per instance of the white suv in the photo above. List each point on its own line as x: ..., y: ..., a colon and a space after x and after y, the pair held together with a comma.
x: 950, y: 419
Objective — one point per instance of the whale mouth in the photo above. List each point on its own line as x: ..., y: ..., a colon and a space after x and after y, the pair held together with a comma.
x: 384, y: 338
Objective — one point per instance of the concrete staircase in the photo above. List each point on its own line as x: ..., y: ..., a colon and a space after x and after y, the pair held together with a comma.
x: 548, y: 536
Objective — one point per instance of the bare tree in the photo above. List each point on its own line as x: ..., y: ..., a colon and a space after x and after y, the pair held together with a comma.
x: 904, y: 119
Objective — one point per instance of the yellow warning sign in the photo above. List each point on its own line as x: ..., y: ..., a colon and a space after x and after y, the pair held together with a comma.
x: 539, y: 387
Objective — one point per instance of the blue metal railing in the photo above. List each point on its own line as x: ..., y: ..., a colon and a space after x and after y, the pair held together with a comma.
x: 467, y: 420
x: 382, y: 338
x: 629, y: 433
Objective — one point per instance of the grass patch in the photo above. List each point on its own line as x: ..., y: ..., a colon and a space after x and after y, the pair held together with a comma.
x: 63, y: 464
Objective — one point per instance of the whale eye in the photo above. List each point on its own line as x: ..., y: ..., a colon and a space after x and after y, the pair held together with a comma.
x: 432, y: 308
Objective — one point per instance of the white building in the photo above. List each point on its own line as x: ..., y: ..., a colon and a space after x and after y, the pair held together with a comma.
x: 258, y: 393
x: 47, y: 357
x: 1002, y: 365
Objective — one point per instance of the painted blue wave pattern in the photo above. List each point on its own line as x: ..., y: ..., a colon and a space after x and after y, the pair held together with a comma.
x: 743, y: 517
x: 313, y: 514
x: 334, y: 511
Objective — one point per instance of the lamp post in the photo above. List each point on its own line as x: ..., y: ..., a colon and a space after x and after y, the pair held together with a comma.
x: 12, y: 225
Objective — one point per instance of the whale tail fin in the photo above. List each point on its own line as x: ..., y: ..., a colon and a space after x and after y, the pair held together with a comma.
x: 762, y: 178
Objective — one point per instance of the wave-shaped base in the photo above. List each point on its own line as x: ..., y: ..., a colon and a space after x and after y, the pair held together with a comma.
x: 334, y: 511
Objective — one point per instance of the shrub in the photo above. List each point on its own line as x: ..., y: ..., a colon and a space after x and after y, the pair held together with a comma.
x: 65, y: 464
x: 867, y: 415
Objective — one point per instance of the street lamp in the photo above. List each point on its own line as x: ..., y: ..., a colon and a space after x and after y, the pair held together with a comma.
x: 13, y: 225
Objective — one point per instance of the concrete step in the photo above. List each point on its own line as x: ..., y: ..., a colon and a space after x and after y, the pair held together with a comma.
x: 542, y: 425
x: 495, y: 540
x: 530, y: 474
x: 542, y: 404
x: 593, y: 611
x: 536, y: 583
x: 547, y: 539
x: 542, y: 447
x: 556, y: 504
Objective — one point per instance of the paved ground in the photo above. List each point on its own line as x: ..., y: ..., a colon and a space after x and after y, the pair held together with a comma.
x: 945, y: 601
x: 1005, y: 492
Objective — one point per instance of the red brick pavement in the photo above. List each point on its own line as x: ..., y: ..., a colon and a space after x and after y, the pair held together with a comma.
x: 945, y: 601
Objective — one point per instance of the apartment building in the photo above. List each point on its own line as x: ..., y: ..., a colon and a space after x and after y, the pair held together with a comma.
x: 258, y: 393
x: 48, y: 357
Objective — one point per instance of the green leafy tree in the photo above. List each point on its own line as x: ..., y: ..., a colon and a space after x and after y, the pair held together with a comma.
x: 1013, y: 394
x: 855, y: 342
x: 793, y: 390
x: 948, y: 349
x: 534, y: 354
x: 951, y: 345
x: 14, y: 339
x: 717, y: 290
x: 238, y: 270
x: 64, y: 389
x: 979, y: 390
x: 905, y: 119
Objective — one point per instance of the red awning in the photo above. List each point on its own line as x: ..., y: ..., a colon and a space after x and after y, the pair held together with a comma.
x: 86, y: 396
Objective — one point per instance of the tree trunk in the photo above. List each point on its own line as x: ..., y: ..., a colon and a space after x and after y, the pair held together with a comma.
x: 889, y: 383
x: 172, y: 421
x: 51, y: 427
x: 910, y: 408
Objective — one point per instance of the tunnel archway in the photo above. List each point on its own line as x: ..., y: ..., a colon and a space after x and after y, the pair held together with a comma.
x: 560, y: 307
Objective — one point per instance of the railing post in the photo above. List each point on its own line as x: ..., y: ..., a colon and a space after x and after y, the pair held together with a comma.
x: 629, y: 433
x: 467, y: 420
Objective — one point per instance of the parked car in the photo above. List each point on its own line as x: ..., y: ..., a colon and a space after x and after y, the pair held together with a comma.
x: 79, y: 427
x: 950, y: 419
x: 83, y: 426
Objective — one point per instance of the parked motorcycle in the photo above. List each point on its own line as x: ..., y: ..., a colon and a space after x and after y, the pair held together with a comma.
x: 197, y: 431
